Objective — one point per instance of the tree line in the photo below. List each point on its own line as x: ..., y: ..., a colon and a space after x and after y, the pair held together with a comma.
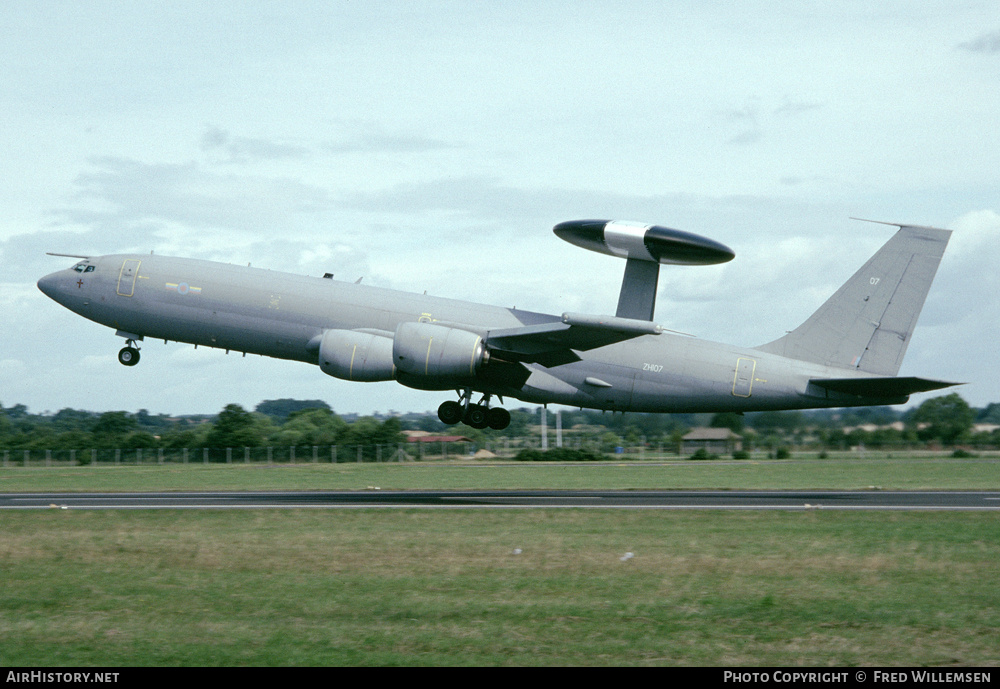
x: 946, y: 421
x: 293, y: 424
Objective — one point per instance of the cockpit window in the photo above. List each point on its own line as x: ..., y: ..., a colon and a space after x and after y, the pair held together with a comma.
x: 83, y: 268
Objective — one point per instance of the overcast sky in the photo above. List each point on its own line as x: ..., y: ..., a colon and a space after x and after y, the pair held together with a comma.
x: 433, y: 145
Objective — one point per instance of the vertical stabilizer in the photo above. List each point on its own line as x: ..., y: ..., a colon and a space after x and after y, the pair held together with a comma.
x: 867, y: 324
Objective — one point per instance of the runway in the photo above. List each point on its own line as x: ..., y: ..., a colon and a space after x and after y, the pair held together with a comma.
x: 613, y: 499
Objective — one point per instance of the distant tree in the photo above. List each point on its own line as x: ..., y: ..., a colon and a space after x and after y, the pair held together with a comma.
x: 609, y: 441
x: 430, y: 423
x: 885, y: 438
x: 770, y: 441
x: 73, y: 420
x: 6, y: 427
x: 18, y: 411
x: 947, y: 418
x: 369, y: 432
x: 857, y: 416
x: 149, y: 422
x: 41, y: 437
x: 235, y: 427
x: 282, y: 409
x: 311, y: 427
x: 773, y: 421
x: 728, y: 419
x: 750, y: 438
x: 177, y: 438
x: 139, y: 439
x: 112, y: 427
x: 633, y: 436
x: 73, y: 440
x: 985, y: 439
x: 559, y: 454
x: 989, y: 414
x: 520, y: 421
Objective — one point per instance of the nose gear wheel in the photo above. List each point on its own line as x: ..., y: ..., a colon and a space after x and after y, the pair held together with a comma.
x: 129, y: 354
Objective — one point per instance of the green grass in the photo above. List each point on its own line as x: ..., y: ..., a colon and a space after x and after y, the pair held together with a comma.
x: 444, y: 587
x: 888, y: 473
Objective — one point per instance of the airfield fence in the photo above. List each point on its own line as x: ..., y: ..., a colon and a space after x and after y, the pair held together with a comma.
x: 506, y: 448
x: 437, y: 451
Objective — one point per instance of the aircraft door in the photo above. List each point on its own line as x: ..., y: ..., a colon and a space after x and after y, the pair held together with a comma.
x: 743, y: 380
x: 126, y: 278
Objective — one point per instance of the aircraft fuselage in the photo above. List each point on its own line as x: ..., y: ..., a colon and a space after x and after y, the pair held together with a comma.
x: 281, y: 315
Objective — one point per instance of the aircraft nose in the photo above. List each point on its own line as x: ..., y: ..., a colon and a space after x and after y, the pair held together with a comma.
x: 49, y: 285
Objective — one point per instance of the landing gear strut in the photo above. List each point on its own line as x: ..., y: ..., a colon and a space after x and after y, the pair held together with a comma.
x: 474, y: 415
x: 129, y: 354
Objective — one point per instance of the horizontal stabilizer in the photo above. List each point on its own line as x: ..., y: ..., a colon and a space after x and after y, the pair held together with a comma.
x: 880, y: 387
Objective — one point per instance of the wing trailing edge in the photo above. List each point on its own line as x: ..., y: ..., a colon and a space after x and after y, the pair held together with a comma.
x: 553, y: 344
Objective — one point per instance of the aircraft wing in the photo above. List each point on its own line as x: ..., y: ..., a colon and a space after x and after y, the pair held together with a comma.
x: 553, y: 344
x: 880, y: 387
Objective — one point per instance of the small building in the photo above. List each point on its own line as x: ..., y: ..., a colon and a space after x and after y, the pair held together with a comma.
x: 714, y: 441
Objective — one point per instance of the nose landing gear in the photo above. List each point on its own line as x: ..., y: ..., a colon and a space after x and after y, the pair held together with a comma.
x: 129, y: 354
x: 474, y: 415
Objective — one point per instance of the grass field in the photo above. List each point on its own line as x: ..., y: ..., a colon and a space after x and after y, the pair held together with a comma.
x: 445, y: 587
x: 846, y: 473
x: 410, y: 587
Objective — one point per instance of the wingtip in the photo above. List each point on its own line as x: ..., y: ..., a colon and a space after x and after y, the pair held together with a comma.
x: 879, y: 222
x: 900, y: 225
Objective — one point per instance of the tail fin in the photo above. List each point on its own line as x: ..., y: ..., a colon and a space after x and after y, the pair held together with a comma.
x: 867, y: 324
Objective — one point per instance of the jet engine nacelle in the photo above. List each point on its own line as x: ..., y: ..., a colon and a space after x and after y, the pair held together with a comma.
x: 358, y: 356
x: 436, y: 351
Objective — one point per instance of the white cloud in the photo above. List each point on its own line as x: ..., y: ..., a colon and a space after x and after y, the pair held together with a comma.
x: 987, y: 43
x: 242, y: 149
x: 975, y: 232
x: 10, y: 368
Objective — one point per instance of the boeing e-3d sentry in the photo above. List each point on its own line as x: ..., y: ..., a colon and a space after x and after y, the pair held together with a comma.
x: 846, y: 354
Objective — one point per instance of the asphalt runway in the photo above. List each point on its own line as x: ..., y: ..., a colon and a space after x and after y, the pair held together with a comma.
x: 618, y: 499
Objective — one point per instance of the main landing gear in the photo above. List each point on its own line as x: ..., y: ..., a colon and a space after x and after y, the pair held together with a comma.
x: 474, y: 415
x: 129, y: 354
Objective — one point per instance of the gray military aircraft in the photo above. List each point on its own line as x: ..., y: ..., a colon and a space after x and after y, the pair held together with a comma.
x: 846, y: 354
